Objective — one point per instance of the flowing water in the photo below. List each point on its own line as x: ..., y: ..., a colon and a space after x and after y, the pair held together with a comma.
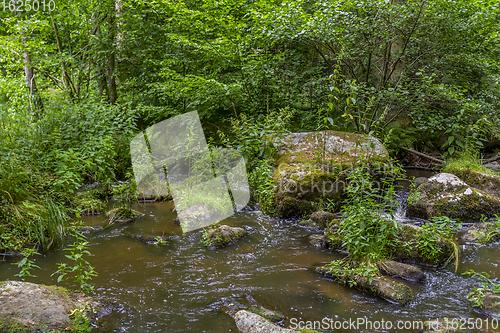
x: 180, y: 287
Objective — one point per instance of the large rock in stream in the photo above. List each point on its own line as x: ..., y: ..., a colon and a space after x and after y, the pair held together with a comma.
x: 313, y: 166
x: 29, y: 307
x: 482, y: 181
x: 391, y: 290
x: 482, y: 233
x: 445, y: 194
x: 222, y: 235
x: 490, y: 303
x: 248, y: 322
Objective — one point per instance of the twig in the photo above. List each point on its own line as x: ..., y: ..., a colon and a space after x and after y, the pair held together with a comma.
x: 491, y: 159
x: 437, y: 160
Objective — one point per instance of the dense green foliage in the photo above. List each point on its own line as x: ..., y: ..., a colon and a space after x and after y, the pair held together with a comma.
x: 368, y: 222
x: 79, y: 271
x: 77, y: 83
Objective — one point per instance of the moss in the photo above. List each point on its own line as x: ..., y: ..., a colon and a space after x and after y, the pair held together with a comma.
x: 406, y: 248
x: 13, y: 327
x: 58, y: 291
x: 355, y: 274
x: 489, y: 183
x: 289, y: 207
x: 272, y: 316
x: 467, y: 207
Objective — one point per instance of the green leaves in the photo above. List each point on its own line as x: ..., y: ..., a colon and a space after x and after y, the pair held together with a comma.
x: 26, y: 264
x: 366, y: 228
x: 81, y: 272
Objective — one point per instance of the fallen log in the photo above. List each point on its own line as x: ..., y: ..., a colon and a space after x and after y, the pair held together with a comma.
x: 433, y: 159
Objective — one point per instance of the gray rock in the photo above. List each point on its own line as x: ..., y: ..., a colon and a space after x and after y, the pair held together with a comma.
x: 37, y: 306
x: 490, y: 305
x: 318, y: 240
x: 446, y: 195
x: 420, y: 180
x: 303, y: 178
x: 320, y: 219
x: 400, y: 270
x: 248, y: 322
x: 223, y: 235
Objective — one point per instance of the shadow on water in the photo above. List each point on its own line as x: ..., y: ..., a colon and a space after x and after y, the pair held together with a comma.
x: 178, y: 287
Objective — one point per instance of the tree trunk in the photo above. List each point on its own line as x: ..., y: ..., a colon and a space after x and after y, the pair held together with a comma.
x: 65, y: 76
x: 113, y: 96
x: 36, y: 104
x: 101, y: 74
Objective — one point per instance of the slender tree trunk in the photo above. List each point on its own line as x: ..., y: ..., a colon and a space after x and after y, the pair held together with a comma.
x: 65, y: 76
x: 113, y: 96
x: 36, y: 103
x: 100, y: 73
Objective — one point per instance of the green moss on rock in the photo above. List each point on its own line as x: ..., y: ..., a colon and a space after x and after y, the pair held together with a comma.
x: 446, y: 195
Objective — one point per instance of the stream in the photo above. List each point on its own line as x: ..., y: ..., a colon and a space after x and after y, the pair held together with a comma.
x: 179, y: 287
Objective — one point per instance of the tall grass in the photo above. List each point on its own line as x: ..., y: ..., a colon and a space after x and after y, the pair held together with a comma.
x: 468, y: 159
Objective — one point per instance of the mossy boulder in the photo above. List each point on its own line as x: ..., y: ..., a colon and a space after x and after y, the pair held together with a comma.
x: 483, y: 233
x: 318, y: 240
x: 482, y: 181
x: 223, y: 235
x: 401, y: 270
x: 29, y: 307
x: 408, y: 247
x: 293, y: 207
x: 490, y: 303
x: 405, y: 247
x: 332, y: 238
x: 446, y: 195
x: 319, y: 220
x: 312, y: 167
x: 389, y: 289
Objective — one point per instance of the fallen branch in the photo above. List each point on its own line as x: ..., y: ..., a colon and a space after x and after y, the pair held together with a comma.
x: 491, y: 159
x: 433, y: 159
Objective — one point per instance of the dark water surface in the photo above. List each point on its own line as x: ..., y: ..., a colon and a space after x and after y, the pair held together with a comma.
x: 179, y: 287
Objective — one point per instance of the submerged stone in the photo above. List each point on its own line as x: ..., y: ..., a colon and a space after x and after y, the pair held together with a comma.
x: 446, y: 195
x: 319, y: 220
x: 483, y: 233
x: 35, y: 307
x: 490, y: 306
x: 400, y: 270
x: 392, y: 291
x: 318, y: 240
